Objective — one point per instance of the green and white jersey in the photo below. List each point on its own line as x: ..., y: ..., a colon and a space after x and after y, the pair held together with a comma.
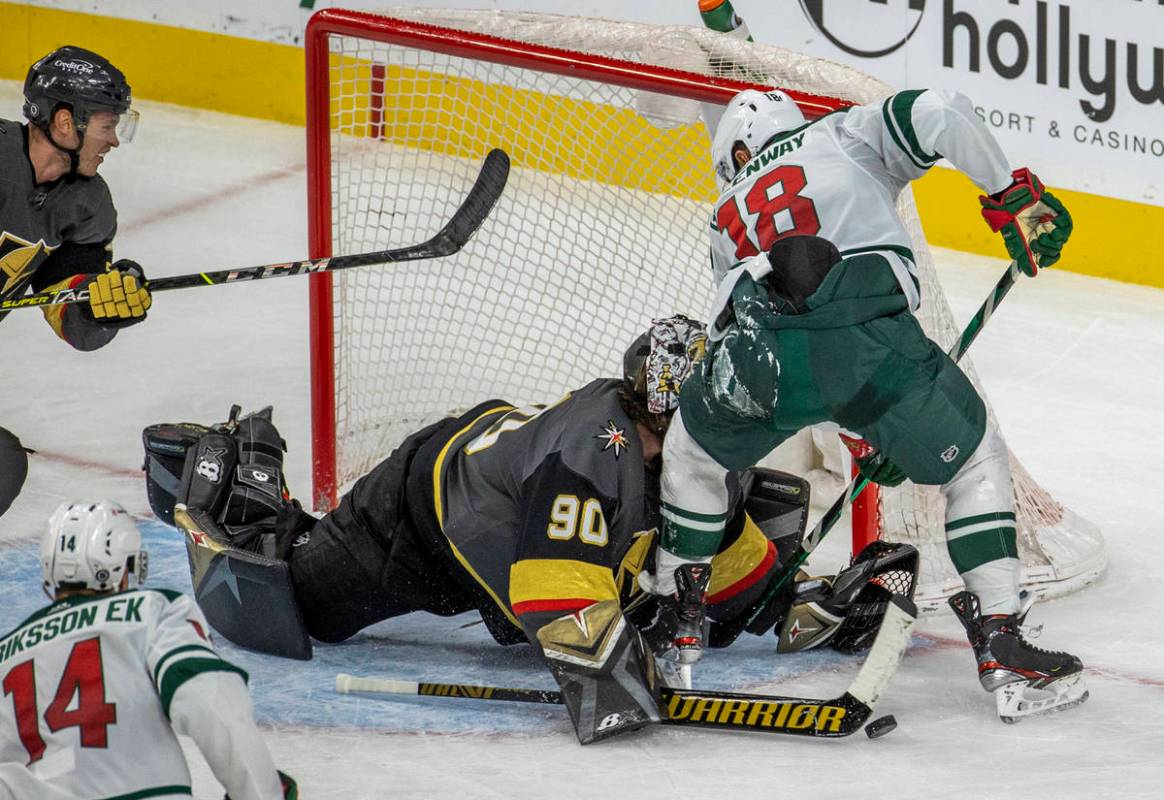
x: 89, y: 688
x: 839, y: 178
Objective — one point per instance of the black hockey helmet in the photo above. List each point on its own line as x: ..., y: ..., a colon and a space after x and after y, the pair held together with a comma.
x: 79, y: 79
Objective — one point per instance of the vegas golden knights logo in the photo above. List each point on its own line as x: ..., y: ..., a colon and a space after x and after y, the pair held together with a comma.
x: 585, y: 637
x: 18, y: 260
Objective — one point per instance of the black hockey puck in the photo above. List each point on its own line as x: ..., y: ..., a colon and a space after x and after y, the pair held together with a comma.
x: 880, y: 726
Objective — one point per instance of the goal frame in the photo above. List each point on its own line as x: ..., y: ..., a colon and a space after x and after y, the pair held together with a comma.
x: 447, y: 41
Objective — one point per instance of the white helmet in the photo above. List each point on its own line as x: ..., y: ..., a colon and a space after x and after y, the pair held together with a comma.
x: 91, y: 546
x: 751, y: 118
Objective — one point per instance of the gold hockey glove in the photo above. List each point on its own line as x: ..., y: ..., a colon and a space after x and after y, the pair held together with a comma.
x: 119, y: 297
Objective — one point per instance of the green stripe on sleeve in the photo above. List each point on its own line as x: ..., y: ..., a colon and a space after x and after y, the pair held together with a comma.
x: 975, y: 549
x: 920, y: 159
x: 186, y: 669
x: 178, y: 650
x: 902, y: 106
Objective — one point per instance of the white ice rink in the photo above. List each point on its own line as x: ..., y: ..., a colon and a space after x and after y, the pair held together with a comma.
x: 1072, y: 366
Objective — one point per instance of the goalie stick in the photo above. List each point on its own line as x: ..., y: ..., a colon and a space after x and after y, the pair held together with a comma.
x: 795, y: 716
x: 449, y: 240
x: 857, y: 485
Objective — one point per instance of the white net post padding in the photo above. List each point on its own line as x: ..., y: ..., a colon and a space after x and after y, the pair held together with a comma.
x: 602, y: 227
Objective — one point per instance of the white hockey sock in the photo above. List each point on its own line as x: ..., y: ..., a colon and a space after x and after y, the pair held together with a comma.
x: 694, y: 505
x: 980, y: 526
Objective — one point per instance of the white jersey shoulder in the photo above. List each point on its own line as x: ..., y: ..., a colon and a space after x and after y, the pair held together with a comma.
x: 88, y: 683
x: 840, y: 176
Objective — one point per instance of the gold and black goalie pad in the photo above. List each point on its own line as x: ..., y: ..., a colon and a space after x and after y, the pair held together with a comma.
x: 247, y: 597
x: 608, y: 677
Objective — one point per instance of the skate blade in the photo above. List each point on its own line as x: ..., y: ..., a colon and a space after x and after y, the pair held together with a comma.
x: 1019, y: 701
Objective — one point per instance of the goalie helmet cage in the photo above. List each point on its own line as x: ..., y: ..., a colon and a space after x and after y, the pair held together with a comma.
x: 603, y: 225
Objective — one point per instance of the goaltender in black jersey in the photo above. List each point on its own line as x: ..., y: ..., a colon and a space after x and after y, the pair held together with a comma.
x: 540, y: 518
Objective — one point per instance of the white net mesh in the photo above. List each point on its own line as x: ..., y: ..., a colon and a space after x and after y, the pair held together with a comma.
x: 602, y: 226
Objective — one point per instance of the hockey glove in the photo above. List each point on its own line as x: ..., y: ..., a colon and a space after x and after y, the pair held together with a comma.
x: 872, y: 463
x: 119, y: 297
x: 1033, y: 223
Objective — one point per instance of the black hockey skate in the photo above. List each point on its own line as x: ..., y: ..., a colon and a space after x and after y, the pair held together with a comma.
x: 1025, y: 680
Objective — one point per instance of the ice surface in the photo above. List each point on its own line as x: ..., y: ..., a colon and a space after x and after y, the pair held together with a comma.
x: 1073, y: 368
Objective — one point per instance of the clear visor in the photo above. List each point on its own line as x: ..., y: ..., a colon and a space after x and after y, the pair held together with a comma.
x: 127, y: 125
x: 110, y: 127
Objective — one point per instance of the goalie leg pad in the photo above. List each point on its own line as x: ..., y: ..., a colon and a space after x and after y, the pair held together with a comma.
x: 778, y: 503
x: 608, y: 678
x: 245, y: 596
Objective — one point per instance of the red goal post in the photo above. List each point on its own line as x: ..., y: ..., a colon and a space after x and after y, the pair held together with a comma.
x: 610, y: 172
x: 388, y: 30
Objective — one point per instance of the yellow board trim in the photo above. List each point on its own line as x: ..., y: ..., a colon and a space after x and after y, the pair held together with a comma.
x: 259, y: 79
x: 560, y: 579
x: 173, y: 65
x: 948, y: 204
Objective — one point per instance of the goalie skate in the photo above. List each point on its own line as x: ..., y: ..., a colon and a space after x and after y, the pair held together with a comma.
x: 1022, y: 699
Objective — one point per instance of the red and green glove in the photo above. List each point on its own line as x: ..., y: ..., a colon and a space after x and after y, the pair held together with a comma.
x: 1033, y: 223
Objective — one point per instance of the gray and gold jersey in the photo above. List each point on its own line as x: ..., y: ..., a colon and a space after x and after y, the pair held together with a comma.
x: 547, y: 508
x: 36, y: 220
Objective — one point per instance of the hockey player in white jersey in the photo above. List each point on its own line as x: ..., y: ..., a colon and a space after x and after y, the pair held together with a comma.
x: 813, y: 324
x: 97, y: 684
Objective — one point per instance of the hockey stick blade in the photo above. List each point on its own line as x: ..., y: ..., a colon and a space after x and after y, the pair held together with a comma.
x: 795, y: 716
x: 450, y: 239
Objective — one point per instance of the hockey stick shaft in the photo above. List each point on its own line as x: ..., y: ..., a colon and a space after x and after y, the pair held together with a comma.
x: 797, y: 716
x: 449, y: 240
x: 856, y: 486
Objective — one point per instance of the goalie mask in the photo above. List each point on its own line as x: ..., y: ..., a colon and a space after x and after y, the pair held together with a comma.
x: 660, y: 359
x: 90, y: 546
x: 750, y: 120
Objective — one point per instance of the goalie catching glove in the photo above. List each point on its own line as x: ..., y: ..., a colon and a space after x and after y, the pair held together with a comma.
x: 119, y: 297
x: 1033, y: 223
x: 844, y: 610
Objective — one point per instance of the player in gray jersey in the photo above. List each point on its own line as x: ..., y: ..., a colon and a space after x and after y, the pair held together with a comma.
x: 537, y: 517
x: 57, y: 219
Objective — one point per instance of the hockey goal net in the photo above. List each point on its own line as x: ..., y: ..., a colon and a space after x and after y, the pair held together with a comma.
x: 603, y: 226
